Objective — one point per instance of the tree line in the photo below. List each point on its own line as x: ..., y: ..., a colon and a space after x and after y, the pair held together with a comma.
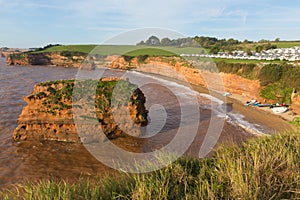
x: 213, y: 44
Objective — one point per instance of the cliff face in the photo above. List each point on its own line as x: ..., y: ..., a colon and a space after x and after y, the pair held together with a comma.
x: 59, y: 59
x: 4, y: 54
x: 296, y: 105
x: 179, y: 69
x: 49, y: 114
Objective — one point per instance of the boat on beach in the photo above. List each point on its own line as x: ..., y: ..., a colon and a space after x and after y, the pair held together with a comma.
x: 264, y: 105
x: 276, y: 108
x: 279, y: 110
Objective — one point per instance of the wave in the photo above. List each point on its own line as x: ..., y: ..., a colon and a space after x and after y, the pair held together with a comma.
x: 217, y: 106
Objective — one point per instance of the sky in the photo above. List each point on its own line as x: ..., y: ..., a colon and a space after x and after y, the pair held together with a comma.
x: 36, y: 23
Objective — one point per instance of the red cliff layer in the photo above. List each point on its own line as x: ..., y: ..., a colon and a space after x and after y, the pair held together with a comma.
x: 59, y: 59
x: 177, y: 68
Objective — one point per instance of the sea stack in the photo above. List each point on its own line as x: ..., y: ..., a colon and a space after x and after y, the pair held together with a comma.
x: 49, y: 114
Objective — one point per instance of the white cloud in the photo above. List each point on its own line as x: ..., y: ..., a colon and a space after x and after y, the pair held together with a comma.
x: 98, y: 18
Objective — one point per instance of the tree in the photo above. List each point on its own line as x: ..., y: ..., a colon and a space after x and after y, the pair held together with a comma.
x: 249, y: 52
x: 215, y: 49
x: 165, y: 42
x: 153, y: 41
x: 141, y: 43
x: 259, y: 48
x: 263, y: 41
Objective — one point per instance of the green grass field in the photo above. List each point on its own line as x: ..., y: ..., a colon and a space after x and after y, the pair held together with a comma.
x: 286, y: 44
x: 124, y: 49
x: 280, y: 44
x: 150, y: 52
x: 121, y: 49
x: 245, y: 61
x: 228, y: 60
x: 70, y: 48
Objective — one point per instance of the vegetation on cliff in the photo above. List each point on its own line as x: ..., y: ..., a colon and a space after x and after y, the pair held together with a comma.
x: 72, y: 55
x: 296, y: 122
x: 278, y: 80
x: 263, y: 168
x: 66, y: 48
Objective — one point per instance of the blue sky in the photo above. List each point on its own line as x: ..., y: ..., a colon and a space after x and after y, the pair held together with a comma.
x: 35, y: 23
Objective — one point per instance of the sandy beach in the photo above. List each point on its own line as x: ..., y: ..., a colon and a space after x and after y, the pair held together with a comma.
x: 264, y: 116
x: 275, y: 123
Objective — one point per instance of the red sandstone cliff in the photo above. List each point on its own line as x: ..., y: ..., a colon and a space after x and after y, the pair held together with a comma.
x: 4, y: 54
x: 177, y: 68
x: 58, y: 59
x: 49, y: 115
x: 296, y: 105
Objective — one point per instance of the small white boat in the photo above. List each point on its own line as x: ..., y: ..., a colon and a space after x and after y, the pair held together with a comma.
x: 279, y: 110
x: 226, y: 94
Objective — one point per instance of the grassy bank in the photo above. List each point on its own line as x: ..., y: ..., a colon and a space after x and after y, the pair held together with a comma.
x: 277, y: 79
x: 69, y: 48
x: 263, y: 168
x: 116, y: 49
x: 231, y: 60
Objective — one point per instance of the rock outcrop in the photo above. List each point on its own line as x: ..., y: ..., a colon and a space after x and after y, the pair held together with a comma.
x: 4, y: 54
x: 65, y: 59
x: 296, y: 105
x: 52, y: 111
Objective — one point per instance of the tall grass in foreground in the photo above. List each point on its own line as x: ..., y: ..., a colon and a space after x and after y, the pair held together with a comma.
x: 263, y: 168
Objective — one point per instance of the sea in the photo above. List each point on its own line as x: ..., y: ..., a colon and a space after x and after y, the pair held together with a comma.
x: 181, y: 119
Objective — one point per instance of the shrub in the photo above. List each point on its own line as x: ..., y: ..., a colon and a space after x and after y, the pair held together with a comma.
x: 271, y: 73
x: 296, y: 121
x: 128, y: 58
x: 277, y: 91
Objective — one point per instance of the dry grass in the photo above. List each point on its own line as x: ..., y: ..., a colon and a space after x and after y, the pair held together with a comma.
x: 264, y: 168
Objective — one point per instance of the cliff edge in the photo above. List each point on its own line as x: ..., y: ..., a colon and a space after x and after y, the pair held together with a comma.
x: 65, y: 59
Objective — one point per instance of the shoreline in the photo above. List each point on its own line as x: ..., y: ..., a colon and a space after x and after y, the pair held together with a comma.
x: 274, y: 123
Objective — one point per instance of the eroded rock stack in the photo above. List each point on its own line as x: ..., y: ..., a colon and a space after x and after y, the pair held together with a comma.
x: 114, y: 107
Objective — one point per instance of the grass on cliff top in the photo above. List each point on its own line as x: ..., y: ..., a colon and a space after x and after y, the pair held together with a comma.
x: 123, y: 49
x: 280, y: 44
x: 117, y: 49
x: 69, y: 48
x: 246, y: 61
x: 55, y: 99
x: 150, y: 52
x: 263, y: 168
x: 286, y: 44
